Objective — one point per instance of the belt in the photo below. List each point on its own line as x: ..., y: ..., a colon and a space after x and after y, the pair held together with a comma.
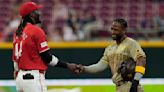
x: 40, y: 71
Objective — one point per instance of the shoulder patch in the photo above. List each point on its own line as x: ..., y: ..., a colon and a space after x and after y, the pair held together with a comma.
x: 43, y: 44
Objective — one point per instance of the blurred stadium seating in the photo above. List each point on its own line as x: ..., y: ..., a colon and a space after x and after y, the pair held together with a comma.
x: 106, y: 10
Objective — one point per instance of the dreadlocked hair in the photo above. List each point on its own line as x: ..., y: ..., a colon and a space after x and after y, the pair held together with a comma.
x: 22, y: 24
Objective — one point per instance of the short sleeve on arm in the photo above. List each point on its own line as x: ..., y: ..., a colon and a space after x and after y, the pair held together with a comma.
x: 40, y: 39
x: 136, y: 51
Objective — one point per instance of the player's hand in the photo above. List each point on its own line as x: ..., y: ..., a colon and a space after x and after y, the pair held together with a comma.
x: 79, y: 69
x: 71, y: 66
x: 75, y: 67
x: 134, y: 86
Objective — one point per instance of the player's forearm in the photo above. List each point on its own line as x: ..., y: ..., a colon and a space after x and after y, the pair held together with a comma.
x: 16, y: 69
x: 15, y: 66
x: 140, y: 68
x: 140, y: 71
x: 52, y: 60
x: 98, y: 67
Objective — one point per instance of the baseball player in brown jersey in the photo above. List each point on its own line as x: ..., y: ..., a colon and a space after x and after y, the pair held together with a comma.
x: 124, y: 48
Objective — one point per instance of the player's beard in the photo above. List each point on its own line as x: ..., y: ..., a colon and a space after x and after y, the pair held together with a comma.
x: 116, y: 36
x: 37, y: 20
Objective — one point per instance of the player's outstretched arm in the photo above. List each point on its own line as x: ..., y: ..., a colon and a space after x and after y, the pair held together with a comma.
x: 98, y: 67
x: 94, y: 68
x: 52, y: 60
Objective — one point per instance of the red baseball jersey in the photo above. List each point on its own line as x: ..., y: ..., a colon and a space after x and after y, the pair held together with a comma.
x: 27, y: 47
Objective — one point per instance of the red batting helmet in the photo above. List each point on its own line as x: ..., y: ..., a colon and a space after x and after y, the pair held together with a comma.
x: 27, y: 8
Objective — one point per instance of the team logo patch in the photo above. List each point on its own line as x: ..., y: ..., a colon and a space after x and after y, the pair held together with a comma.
x: 43, y: 44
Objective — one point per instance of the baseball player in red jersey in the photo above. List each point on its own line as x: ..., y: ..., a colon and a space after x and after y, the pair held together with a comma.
x: 31, y: 53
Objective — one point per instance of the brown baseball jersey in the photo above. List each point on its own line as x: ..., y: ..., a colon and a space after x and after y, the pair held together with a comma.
x: 115, y: 54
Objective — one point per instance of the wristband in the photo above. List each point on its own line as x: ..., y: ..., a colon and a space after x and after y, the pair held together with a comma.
x: 140, y: 69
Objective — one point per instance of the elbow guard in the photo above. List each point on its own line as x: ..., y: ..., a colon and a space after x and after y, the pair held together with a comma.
x: 54, y: 61
x: 48, y: 58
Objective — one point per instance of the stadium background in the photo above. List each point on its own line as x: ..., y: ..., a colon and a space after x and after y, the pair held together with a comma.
x: 78, y: 31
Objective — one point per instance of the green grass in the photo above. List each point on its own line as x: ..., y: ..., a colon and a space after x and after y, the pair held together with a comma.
x: 147, y: 88
x: 154, y: 88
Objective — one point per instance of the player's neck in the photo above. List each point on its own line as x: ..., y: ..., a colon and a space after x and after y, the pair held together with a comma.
x: 120, y: 40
